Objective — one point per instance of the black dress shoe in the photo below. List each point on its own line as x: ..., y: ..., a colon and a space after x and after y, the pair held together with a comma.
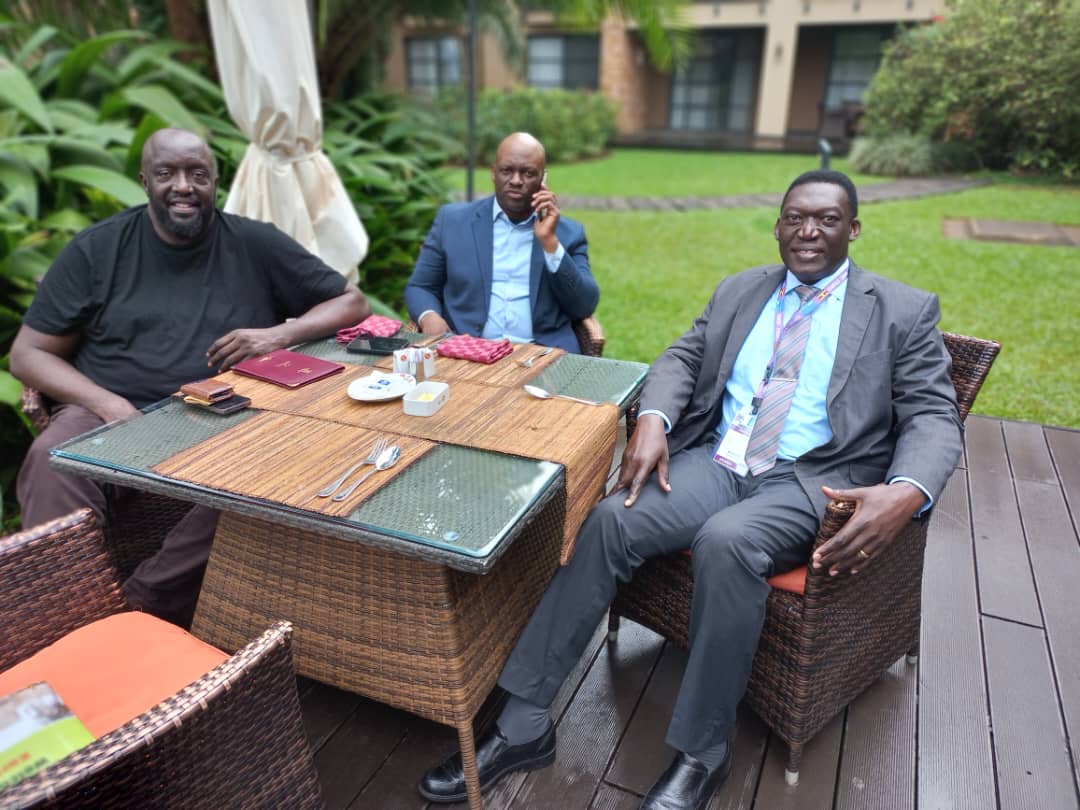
x: 686, y: 784
x: 495, y: 758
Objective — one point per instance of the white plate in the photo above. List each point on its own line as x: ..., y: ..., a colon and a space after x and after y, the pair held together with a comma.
x: 379, y: 386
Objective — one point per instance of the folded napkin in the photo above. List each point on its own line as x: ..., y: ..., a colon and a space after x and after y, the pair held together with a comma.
x: 371, y: 326
x: 467, y: 347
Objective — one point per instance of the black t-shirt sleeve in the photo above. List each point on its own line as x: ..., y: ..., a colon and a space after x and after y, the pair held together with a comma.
x: 65, y: 300
x: 300, y: 279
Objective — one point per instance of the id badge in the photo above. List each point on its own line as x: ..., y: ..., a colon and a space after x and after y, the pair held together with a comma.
x: 731, y: 451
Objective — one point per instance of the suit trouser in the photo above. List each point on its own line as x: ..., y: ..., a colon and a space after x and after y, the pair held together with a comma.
x: 740, y: 531
x: 167, y: 584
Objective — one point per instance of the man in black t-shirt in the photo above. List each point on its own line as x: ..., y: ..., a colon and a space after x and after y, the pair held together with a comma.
x: 146, y: 300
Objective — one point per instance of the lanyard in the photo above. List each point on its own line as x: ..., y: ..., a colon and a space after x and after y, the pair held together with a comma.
x: 806, y: 310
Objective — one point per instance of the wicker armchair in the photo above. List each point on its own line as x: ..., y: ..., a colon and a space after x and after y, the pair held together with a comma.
x: 820, y: 648
x: 233, y: 738
x: 136, y: 525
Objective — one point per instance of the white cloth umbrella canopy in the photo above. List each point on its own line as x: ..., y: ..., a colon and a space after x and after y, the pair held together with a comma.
x: 266, y: 61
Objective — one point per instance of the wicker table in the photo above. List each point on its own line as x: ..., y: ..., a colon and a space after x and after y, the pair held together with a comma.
x: 386, y: 600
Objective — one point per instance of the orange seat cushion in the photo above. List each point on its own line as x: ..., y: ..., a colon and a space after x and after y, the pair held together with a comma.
x: 793, y: 581
x: 116, y: 668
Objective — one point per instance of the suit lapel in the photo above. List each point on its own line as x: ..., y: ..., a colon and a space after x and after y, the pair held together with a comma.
x: 536, y: 267
x: 483, y: 230
x: 749, y: 306
x: 859, y: 301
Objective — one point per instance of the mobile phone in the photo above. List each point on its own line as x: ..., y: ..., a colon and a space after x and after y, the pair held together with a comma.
x: 377, y: 345
x: 540, y: 214
x: 226, y: 406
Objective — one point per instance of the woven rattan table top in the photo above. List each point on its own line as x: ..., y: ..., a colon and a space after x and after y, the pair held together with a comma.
x: 467, y: 476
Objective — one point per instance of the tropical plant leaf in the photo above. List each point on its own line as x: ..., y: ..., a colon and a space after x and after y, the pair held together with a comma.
x: 29, y: 264
x: 149, y: 124
x: 112, y: 183
x: 70, y: 113
x: 161, y: 101
x: 22, y: 186
x: 85, y: 55
x: 66, y: 219
x: 36, y: 41
x: 10, y: 389
x: 18, y: 91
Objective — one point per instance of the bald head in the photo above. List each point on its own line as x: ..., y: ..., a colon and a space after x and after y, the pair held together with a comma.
x: 180, y: 179
x: 517, y: 173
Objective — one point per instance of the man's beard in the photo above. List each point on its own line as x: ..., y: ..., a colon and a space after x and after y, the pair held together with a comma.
x: 186, y: 230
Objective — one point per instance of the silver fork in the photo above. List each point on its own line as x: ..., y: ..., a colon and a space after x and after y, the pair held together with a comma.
x: 372, y: 457
x: 527, y: 363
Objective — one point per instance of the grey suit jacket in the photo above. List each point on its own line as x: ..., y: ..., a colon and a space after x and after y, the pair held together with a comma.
x: 891, y: 404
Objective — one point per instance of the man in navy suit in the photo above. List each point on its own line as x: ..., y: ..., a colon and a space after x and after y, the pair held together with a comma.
x: 505, y: 266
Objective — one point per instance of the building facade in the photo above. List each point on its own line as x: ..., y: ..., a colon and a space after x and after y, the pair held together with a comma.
x: 766, y: 74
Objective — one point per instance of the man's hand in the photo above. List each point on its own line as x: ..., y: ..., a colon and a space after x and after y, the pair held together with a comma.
x: 544, y: 227
x: 432, y: 323
x: 647, y: 450
x: 240, y: 344
x: 880, y: 513
x: 111, y: 407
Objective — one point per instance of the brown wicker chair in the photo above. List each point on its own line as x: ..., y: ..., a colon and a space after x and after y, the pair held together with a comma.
x: 136, y: 525
x: 819, y: 649
x: 233, y: 738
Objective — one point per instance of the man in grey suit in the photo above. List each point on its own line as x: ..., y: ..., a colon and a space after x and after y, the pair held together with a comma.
x: 506, y: 266
x: 799, y: 382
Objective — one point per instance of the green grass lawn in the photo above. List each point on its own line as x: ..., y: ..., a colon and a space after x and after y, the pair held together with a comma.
x: 669, y: 173
x: 657, y: 270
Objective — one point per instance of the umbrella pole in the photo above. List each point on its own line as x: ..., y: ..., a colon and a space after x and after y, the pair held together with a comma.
x: 470, y: 101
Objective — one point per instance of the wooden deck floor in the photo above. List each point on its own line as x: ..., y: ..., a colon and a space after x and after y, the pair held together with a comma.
x: 983, y: 721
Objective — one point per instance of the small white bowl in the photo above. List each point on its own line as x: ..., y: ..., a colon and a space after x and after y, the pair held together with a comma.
x: 426, y: 398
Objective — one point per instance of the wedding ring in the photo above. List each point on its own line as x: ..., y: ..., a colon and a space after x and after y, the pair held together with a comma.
x: 863, y: 555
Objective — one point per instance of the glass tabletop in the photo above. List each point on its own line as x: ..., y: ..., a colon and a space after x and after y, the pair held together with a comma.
x: 456, y: 499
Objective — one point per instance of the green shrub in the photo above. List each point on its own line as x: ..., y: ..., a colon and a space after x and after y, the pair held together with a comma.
x: 999, y: 74
x: 954, y: 156
x: 894, y: 155
x: 570, y: 123
x: 73, y: 118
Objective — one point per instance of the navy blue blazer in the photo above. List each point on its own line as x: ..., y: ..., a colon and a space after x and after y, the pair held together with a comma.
x: 453, y: 276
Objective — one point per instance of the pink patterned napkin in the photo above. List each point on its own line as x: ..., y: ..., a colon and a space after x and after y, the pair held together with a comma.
x: 371, y: 326
x: 467, y: 347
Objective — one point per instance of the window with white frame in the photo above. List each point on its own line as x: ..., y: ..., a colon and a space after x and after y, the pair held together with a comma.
x: 856, y: 56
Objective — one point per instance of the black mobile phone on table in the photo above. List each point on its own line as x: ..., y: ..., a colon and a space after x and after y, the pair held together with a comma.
x: 222, y: 407
x: 377, y: 345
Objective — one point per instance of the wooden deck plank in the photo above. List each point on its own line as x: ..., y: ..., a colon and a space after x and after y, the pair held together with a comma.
x: 877, y: 766
x: 324, y: 709
x: 594, y: 723
x: 1006, y: 587
x: 956, y: 768
x: 611, y: 798
x: 351, y: 757
x: 1055, y: 556
x: 1029, y: 457
x: 1034, y: 772
x: 817, y: 772
x: 393, y: 787
x: 1065, y: 449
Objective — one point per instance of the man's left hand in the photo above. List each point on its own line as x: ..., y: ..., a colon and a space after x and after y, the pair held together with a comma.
x: 240, y: 344
x: 544, y: 228
x: 880, y: 513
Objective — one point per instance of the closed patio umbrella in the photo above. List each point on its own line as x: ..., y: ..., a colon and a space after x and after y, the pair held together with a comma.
x: 266, y: 61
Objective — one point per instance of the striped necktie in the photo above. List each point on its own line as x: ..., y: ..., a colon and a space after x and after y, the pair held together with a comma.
x: 765, y: 438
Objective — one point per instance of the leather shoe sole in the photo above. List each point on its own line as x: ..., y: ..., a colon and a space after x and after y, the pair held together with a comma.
x: 686, y: 784
x: 495, y: 758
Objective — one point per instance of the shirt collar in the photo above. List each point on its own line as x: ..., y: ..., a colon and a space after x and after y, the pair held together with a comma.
x: 496, y: 211
x: 791, y: 281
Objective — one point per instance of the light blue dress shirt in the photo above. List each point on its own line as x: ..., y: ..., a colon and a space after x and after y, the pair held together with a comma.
x: 510, y: 310
x: 807, y: 425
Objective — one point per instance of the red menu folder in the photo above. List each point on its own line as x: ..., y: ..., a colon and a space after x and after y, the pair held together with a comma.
x: 290, y: 369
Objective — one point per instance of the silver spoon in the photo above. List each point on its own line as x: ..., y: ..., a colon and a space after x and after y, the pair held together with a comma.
x: 541, y: 393
x: 528, y: 363
x: 387, y: 459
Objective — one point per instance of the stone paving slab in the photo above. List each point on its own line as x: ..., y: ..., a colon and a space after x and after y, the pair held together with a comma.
x: 1012, y: 231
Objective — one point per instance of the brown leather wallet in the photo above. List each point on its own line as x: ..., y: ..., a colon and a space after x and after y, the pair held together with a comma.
x: 210, y: 390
